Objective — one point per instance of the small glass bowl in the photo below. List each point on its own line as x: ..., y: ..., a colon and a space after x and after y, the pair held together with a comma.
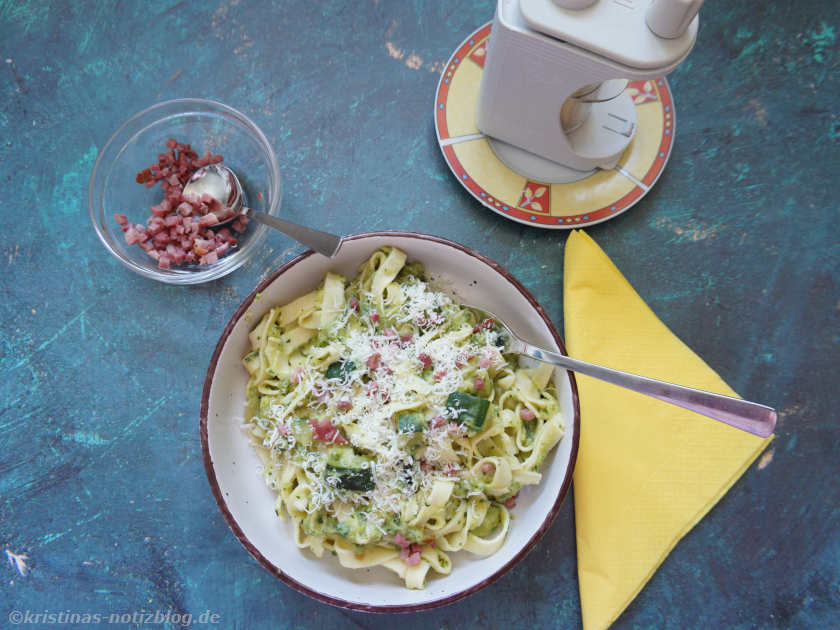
x: 207, y: 126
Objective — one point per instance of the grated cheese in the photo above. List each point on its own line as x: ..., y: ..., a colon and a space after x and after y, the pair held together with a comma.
x: 369, y: 421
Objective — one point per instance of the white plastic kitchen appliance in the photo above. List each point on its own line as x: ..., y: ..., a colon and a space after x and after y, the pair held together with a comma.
x: 552, y: 96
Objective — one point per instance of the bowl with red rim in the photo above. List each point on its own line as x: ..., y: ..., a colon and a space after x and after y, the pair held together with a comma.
x: 233, y: 468
x: 125, y: 159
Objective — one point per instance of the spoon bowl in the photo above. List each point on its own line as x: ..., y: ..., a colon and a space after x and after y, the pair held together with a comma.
x: 224, y: 186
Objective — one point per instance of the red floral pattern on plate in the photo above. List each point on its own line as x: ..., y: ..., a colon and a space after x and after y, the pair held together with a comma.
x: 536, y: 197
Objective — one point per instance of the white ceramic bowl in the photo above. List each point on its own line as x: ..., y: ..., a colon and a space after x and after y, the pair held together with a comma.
x: 248, y: 505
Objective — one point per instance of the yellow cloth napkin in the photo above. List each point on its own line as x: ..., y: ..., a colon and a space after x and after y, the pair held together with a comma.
x: 647, y: 471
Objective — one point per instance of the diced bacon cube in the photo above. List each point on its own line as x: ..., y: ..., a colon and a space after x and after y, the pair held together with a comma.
x: 478, y: 383
x: 425, y: 359
x: 487, y: 468
x: 185, y: 209
x: 202, y: 246
x: 208, y: 258
x: 155, y: 223
x: 510, y: 503
x: 373, y: 361
x: 374, y: 317
x: 344, y: 404
x: 527, y: 414
x: 438, y: 422
x: 326, y: 431
x: 132, y: 236
x: 354, y: 304
x: 484, y: 325
x: 208, y: 219
x: 121, y: 219
x: 411, y: 555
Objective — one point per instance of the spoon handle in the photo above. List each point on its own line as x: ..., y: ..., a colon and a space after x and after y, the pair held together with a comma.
x: 748, y: 416
x: 322, y: 242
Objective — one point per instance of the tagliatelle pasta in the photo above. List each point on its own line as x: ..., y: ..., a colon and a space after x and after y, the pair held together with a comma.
x: 391, y: 424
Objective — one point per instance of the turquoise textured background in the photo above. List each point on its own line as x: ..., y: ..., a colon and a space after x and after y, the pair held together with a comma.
x: 102, y: 487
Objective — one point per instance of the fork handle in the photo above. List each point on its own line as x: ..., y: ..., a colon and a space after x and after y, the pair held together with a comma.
x: 748, y: 416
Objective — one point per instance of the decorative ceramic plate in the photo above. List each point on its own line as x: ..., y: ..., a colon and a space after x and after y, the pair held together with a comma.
x: 598, y: 197
x: 232, y: 466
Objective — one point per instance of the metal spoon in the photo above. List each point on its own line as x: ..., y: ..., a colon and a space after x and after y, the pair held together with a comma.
x: 223, y: 185
x: 748, y: 416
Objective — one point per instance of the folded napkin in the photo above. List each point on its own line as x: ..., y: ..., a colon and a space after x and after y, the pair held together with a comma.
x: 647, y: 471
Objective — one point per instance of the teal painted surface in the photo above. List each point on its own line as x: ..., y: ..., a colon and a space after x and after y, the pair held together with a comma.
x: 102, y: 491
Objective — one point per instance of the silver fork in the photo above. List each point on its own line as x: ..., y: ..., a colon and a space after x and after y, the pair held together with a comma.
x: 748, y: 416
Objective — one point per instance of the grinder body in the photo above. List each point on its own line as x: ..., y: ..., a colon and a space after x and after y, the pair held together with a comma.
x: 550, y: 84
